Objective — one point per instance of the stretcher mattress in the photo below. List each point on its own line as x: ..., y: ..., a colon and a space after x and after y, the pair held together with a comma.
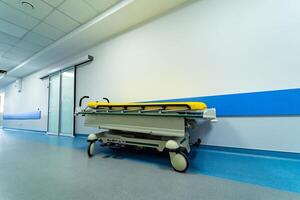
x: 148, y: 106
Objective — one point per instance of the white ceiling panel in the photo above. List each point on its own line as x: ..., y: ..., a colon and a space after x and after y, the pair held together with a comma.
x: 5, y: 67
x: 54, y: 3
x: 5, y: 47
x: 101, y: 5
x: 17, y: 17
x: 28, y: 46
x: 40, y: 11
x: 48, y: 31
x: 8, y: 62
x: 61, y: 21
x: 28, y: 70
x: 38, y: 39
x: 7, y: 39
x: 11, y: 29
x: 79, y: 11
x: 18, y: 54
x: 16, y: 57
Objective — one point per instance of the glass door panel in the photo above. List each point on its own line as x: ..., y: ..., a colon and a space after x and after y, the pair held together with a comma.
x: 53, y: 111
x: 67, y: 102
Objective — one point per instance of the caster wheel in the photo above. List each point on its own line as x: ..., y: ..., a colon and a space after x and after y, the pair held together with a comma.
x: 91, y: 149
x: 179, y: 161
x: 198, y: 142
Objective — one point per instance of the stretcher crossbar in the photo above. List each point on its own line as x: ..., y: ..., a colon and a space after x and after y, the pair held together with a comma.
x: 208, y: 114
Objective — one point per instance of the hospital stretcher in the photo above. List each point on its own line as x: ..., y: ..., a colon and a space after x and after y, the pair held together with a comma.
x: 163, y: 126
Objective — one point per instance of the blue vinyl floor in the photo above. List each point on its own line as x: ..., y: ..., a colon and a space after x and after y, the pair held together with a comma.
x: 270, y: 170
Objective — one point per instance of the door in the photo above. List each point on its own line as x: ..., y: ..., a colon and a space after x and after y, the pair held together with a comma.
x: 61, y: 103
x: 54, y: 100
x: 67, y: 102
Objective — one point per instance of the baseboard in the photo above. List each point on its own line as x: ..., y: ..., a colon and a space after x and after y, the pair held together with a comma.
x: 256, y: 152
x: 81, y: 135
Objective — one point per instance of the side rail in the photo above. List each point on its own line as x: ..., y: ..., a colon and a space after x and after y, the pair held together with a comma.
x: 208, y: 113
x: 80, y: 109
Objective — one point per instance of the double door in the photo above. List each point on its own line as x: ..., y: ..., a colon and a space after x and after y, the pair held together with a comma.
x: 61, y: 102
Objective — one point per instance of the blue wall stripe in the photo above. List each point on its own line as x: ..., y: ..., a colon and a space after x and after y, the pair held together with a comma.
x: 268, y: 103
x: 23, y: 130
x: 23, y: 116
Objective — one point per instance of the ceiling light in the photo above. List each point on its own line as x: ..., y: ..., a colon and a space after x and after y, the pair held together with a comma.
x: 27, y: 5
x: 2, y: 71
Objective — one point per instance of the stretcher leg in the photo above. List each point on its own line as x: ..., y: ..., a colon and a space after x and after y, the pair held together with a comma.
x: 178, y: 148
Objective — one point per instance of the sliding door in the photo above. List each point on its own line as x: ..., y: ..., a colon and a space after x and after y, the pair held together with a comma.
x: 67, y: 102
x: 54, y: 98
x: 61, y: 103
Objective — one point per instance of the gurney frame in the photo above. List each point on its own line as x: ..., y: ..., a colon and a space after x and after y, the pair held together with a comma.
x: 158, y: 129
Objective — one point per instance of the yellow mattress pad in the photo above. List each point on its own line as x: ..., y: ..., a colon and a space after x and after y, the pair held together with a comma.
x: 148, y: 106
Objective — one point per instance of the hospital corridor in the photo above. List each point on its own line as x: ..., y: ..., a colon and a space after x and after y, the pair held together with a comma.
x: 149, y: 100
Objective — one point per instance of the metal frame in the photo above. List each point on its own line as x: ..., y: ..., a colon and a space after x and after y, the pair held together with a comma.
x: 59, y: 107
x: 159, y: 129
x: 74, y: 104
x: 141, y: 140
x: 159, y: 126
x: 208, y: 113
x: 81, y: 61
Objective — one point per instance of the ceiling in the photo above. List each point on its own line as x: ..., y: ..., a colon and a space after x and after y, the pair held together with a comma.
x: 32, y: 39
x: 25, y: 31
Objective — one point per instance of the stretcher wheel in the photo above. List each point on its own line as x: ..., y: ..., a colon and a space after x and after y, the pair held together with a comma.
x: 179, y: 161
x: 198, y: 142
x: 91, y: 148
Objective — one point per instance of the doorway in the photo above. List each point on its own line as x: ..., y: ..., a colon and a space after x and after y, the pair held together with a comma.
x: 61, y: 102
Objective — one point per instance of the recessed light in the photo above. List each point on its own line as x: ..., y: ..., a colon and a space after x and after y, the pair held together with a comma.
x: 27, y: 5
x: 2, y: 71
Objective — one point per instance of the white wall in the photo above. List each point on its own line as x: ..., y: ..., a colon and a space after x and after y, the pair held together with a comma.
x: 210, y: 47
x: 33, y: 97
